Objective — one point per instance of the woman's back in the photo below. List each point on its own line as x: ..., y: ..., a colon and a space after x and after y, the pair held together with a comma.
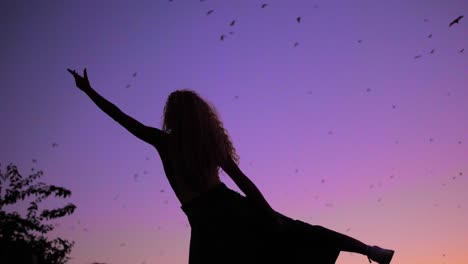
x: 177, y: 178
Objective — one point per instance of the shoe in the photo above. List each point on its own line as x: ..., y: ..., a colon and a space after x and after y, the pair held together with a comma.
x: 380, y: 255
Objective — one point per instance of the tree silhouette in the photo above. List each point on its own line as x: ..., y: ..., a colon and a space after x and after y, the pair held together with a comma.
x: 23, y: 240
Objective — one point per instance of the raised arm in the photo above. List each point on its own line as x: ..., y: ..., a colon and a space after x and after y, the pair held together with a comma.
x: 246, y: 185
x: 148, y: 134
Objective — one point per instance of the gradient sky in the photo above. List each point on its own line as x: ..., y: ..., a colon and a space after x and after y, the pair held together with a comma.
x: 356, y: 136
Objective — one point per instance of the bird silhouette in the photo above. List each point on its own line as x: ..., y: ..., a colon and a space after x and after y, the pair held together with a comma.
x: 34, y: 160
x: 359, y: 41
x: 54, y: 145
x: 430, y: 36
x: 461, y: 51
x: 209, y: 12
x: 134, y: 74
x: 222, y: 37
x: 264, y: 5
x: 127, y: 86
x: 296, y: 44
x: 417, y: 56
x: 232, y: 23
x: 298, y: 19
x: 432, y: 51
x: 425, y: 20
x: 231, y: 32
x: 456, y: 21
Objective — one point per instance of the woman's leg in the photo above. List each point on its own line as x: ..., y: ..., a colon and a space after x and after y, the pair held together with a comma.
x: 343, y: 242
x: 332, y: 241
x: 323, y: 237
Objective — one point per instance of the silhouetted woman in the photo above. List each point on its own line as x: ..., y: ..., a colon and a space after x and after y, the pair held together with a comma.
x: 226, y: 227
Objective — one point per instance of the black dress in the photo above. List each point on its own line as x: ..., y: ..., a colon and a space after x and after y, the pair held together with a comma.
x: 226, y: 227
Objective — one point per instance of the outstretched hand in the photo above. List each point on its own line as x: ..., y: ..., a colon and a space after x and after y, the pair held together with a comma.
x: 81, y: 82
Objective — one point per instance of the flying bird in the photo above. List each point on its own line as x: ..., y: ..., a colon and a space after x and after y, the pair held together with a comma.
x: 296, y: 44
x: 127, y: 86
x: 461, y: 51
x: 231, y: 32
x: 432, y: 51
x: 359, y: 41
x: 430, y: 36
x: 54, y: 145
x: 264, y: 5
x: 417, y: 56
x: 298, y: 19
x: 425, y: 20
x: 134, y: 74
x: 222, y: 37
x: 209, y: 12
x: 34, y: 160
x: 456, y: 21
x: 232, y: 23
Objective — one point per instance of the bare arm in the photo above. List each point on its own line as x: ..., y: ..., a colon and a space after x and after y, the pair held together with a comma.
x: 148, y: 134
x: 246, y: 185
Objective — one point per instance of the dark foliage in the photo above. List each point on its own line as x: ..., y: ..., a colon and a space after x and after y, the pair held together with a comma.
x: 23, y: 240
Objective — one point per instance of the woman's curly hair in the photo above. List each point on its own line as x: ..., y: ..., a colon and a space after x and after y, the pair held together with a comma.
x: 199, y: 138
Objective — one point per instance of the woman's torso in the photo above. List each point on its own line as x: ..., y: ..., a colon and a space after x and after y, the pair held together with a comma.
x: 182, y: 189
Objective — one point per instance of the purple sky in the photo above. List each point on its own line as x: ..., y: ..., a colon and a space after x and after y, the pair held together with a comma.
x: 382, y: 165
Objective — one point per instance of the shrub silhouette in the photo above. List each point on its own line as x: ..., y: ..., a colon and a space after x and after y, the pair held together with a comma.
x: 22, y: 240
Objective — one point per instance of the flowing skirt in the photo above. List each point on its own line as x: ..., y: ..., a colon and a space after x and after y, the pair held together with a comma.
x: 226, y: 227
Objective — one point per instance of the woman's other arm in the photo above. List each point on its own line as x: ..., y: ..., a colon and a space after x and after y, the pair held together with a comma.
x: 246, y: 185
